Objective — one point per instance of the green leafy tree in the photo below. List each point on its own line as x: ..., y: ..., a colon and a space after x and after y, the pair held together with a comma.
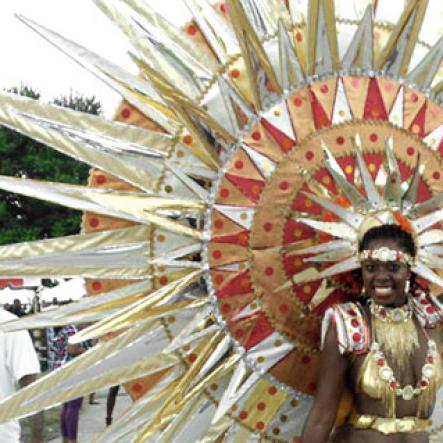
x: 23, y: 218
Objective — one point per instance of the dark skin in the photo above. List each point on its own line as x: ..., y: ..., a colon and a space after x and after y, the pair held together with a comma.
x: 36, y: 420
x: 385, y: 284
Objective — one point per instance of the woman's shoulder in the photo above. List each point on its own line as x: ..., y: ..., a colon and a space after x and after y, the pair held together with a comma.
x: 350, y: 323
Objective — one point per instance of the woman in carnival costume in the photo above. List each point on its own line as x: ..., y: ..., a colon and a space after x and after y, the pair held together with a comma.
x: 382, y: 348
x: 272, y: 136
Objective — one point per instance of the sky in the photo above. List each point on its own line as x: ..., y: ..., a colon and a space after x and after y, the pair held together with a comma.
x: 26, y: 58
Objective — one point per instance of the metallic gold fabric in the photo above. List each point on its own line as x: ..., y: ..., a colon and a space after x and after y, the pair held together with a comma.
x: 389, y: 425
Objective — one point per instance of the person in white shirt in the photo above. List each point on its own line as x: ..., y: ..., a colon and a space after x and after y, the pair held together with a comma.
x: 19, y: 365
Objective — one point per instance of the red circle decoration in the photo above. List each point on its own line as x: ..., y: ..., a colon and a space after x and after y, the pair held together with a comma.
x: 224, y: 192
x: 298, y: 101
x: 373, y: 137
x: 340, y: 140
x: 125, y: 113
x: 100, y: 179
x: 256, y: 135
x: 238, y: 164
x: 410, y: 150
x: 94, y: 222
x: 267, y: 226
x: 96, y: 285
x: 192, y: 30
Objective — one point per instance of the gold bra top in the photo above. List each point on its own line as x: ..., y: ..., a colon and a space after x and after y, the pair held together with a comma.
x: 370, y: 383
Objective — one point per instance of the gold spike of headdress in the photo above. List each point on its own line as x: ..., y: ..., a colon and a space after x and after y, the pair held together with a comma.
x: 277, y: 146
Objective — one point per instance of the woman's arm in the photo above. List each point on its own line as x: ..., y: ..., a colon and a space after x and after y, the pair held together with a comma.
x: 332, y: 376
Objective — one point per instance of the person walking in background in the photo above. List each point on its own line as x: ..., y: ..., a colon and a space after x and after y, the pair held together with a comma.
x: 18, y: 365
x: 65, y: 352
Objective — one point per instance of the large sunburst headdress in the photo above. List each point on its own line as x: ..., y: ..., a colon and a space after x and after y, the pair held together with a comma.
x: 272, y: 135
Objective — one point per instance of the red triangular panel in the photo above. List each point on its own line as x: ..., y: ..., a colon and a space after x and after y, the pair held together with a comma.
x: 262, y: 329
x: 374, y: 107
x: 418, y: 124
x: 248, y: 186
x: 240, y: 284
x: 320, y: 117
x: 285, y: 143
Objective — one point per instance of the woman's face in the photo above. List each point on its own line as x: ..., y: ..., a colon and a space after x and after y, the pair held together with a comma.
x: 385, y: 282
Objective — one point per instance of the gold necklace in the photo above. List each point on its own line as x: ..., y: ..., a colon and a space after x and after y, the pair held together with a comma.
x: 386, y: 373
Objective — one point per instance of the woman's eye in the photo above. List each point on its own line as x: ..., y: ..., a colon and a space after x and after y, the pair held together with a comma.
x: 370, y: 267
x: 393, y: 267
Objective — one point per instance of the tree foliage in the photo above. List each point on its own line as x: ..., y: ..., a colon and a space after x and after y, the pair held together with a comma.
x: 23, y: 218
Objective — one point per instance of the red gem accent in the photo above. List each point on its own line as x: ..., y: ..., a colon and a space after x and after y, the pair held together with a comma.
x: 163, y: 280
x: 267, y: 226
x: 306, y: 359
x: 381, y: 362
x: 269, y: 270
x: 243, y: 415
x: 224, y: 192
x: 340, y: 140
x: 393, y: 385
x: 430, y: 309
x: 224, y: 8
x: 410, y: 150
x: 298, y: 101
x: 187, y: 139
x: 423, y: 383
x: 192, y: 30
x: 356, y: 337
x: 299, y: 36
x: 216, y: 254
x: 256, y: 135
x: 355, y: 323
x: 100, y: 179
x: 352, y: 312
x: 373, y: 137
x: 96, y: 285
x: 218, y: 224
x: 94, y: 222
x: 261, y: 406
x: 383, y: 313
x: 218, y: 279
x: 414, y: 98
x: 272, y: 390
x: 192, y: 357
x: 235, y: 73
x: 283, y: 308
x: 425, y: 301
x: 284, y: 185
x: 260, y: 425
x: 431, y: 359
x: 125, y: 113
x: 324, y: 88
x: 239, y: 164
x: 436, y: 175
x: 309, y: 155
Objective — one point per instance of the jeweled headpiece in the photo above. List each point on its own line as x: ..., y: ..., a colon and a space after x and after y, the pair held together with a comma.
x: 385, y: 255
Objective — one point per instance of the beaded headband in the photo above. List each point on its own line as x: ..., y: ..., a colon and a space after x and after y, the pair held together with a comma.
x: 385, y: 254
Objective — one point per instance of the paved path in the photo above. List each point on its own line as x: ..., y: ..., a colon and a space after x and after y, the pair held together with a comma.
x: 92, y: 417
